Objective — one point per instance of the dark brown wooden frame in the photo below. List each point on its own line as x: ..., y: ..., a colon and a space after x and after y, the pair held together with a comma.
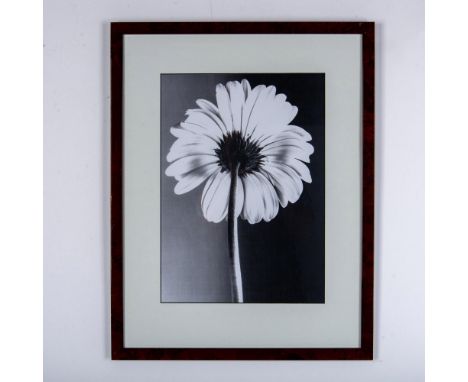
x: 119, y: 352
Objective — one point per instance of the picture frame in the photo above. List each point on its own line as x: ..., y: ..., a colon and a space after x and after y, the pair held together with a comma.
x: 363, y: 276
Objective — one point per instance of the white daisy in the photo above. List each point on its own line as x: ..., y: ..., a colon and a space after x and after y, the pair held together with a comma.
x: 247, y: 133
x: 245, y: 149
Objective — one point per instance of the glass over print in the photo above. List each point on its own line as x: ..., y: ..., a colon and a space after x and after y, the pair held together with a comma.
x: 242, y: 198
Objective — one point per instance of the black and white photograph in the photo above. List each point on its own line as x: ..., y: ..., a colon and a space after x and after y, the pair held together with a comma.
x: 242, y: 188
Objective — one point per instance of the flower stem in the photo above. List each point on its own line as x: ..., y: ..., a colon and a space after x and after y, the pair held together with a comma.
x: 236, y: 276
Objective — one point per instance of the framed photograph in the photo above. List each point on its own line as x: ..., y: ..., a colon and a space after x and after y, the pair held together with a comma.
x: 242, y: 181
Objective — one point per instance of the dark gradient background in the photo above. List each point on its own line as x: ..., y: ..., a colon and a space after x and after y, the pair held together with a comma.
x: 282, y: 261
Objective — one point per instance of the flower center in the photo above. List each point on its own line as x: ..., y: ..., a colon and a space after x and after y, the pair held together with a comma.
x: 235, y: 150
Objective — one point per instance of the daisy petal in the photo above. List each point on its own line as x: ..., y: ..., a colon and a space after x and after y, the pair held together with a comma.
x: 279, y: 187
x: 254, y: 207
x: 289, y: 142
x: 286, y: 134
x: 261, y: 112
x: 215, y: 197
x: 209, y: 123
x: 186, y: 151
x: 300, y: 168
x: 280, y: 98
x: 188, y: 131
x: 294, y: 181
x: 236, y: 94
x: 207, y: 106
x: 282, y: 153
x: 194, y: 178
x: 246, y: 87
x: 270, y: 199
x: 187, y: 164
x: 224, y: 106
x: 206, y: 190
x: 300, y: 131
x: 249, y: 105
x: 180, y: 133
x: 271, y: 114
x: 211, y: 111
x: 194, y: 145
x: 286, y: 182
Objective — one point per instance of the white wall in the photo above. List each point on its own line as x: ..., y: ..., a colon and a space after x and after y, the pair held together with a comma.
x: 76, y: 189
